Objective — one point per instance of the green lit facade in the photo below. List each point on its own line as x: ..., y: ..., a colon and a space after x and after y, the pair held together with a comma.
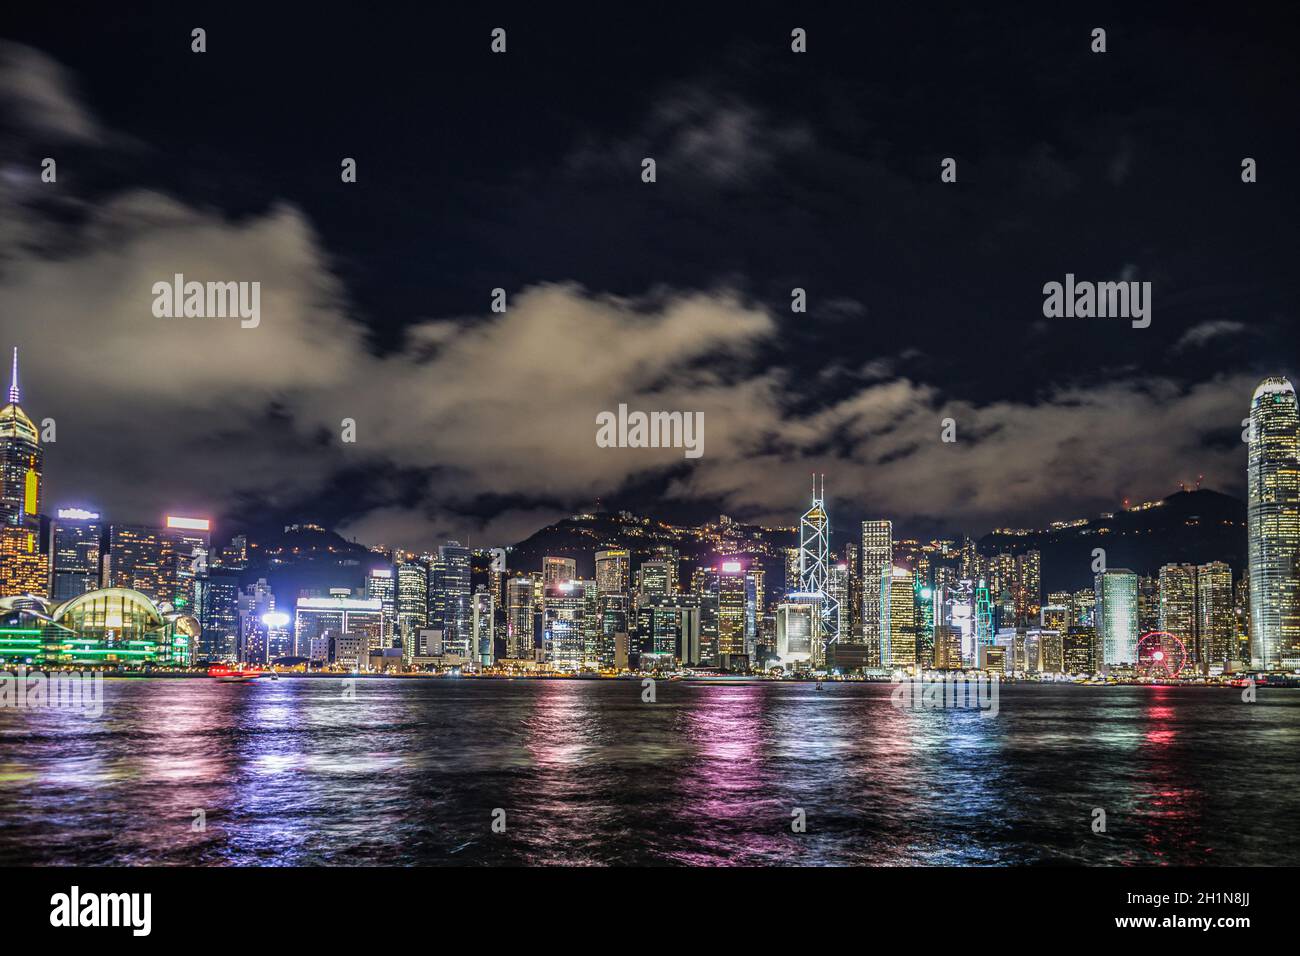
x: 110, y: 627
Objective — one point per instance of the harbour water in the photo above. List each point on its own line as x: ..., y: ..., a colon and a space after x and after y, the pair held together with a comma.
x: 412, y: 772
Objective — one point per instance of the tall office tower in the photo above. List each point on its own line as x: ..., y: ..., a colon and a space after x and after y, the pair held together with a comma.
x: 973, y: 564
x: 877, y: 571
x: 1116, y: 616
x: 24, y: 568
x: 482, y: 630
x: 1215, y: 620
x: 256, y: 615
x: 815, y: 560
x: 449, y: 594
x: 412, y: 604
x: 1241, y: 611
x: 381, y: 585
x: 565, y: 630
x: 1002, y: 574
x: 21, y: 462
x: 923, y: 600
x: 655, y: 579
x: 1178, y: 609
x: 143, y: 559
x: 558, y: 570
x: 74, y: 553
x: 1273, y: 525
x: 612, y: 567
x: 520, y: 612
x: 191, y: 543
x: 728, y: 583
x: 755, y: 598
x: 791, y: 569
x: 851, y: 613
x: 837, y: 590
x: 1029, y: 587
x: 1148, y: 604
x: 219, y: 638
x: 902, y: 619
x: 985, y: 628
x: 668, y: 632
x: 613, y: 631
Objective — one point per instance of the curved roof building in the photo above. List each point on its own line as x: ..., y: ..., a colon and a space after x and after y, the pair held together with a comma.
x: 106, y: 627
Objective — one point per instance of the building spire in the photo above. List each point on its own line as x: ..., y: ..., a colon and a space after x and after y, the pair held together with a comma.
x: 14, y: 394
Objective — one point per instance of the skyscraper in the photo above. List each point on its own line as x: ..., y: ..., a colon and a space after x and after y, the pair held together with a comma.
x: 412, y: 603
x: 902, y: 619
x: 74, y: 553
x: 1214, y: 615
x: 381, y: 585
x: 612, y: 567
x: 557, y: 570
x: 1273, y: 525
x: 21, y: 461
x: 143, y: 559
x: 449, y: 597
x: 877, y: 571
x: 1117, y: 616
x: 1178, y: 607
x: 519, y: 618
x: 24, y: 568
x: 815, y: 561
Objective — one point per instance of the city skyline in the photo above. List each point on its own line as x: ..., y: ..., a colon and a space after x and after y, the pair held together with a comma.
x: 893, y: 603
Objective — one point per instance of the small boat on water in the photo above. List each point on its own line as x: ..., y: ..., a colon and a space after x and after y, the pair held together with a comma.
x: 233, y: 675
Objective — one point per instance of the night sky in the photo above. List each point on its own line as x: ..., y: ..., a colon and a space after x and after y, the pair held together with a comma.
x: 522, y: 171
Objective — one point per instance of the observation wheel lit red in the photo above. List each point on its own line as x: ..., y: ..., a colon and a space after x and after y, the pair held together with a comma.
x: 1160, y: 655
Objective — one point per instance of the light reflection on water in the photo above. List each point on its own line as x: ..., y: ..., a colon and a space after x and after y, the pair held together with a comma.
x: 289, y: 772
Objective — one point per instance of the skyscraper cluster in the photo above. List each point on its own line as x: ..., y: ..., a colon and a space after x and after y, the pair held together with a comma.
x: 875, y: 602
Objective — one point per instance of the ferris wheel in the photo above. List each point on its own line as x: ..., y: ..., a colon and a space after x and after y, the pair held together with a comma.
x: 1160, y: 655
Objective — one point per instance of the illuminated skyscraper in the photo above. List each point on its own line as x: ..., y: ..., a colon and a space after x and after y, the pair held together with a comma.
x: 1178, y: 607
x: 1117, y: 616
x: 482, y: 617
x: 520, y: 613
x: 24, y: 569
x: 612, y: 567
x: 21, y: 461
x: 558, y: 570
x: 730, y: 583
x: 877, y: 570
x: 902, y: 620
x: 815, y: 561
x: 412, y: 604
x: 449, y: 594
x: 142, y: 559
x: 1214, y: 614
x: 74, y: 553
x: 1273, y: 525
x: 381, y: 585
x: 656, y: 579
